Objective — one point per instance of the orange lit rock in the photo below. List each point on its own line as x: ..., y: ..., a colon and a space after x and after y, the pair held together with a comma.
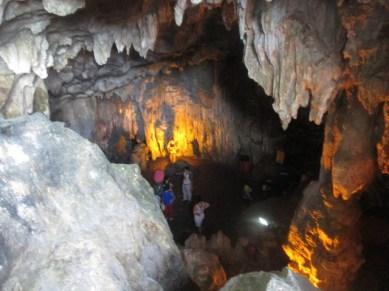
x: 121, y: 146
x: 166, y: 101
x: 323, y: 241
x: 205, y: 269
x: 366, y: 50
x: 383, y: 145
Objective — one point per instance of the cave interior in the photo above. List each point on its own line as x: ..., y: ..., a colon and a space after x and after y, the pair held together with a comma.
x: 290, y: 99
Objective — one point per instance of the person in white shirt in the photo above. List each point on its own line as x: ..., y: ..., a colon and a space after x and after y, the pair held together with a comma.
x: 187, y: 185
x: 199, y: 214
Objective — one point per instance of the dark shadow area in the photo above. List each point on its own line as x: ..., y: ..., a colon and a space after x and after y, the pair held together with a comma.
x: 374, y: 223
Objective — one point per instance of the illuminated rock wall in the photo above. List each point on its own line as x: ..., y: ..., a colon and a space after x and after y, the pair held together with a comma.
x: 323, y: 241
x: 158, y: 103
x: 305, y: 54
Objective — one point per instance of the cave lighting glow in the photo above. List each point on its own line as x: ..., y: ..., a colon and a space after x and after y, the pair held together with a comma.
x: 263, y: 221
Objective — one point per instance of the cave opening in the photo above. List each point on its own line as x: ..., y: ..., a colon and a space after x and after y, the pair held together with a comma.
x: 197, y: 93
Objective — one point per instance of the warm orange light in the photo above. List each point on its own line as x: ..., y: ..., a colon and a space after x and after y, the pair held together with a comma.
x: 300, y: 250
x: 188, y: 125
x: 333, y: 139
x: 383, y: 145
x: 121, y: 146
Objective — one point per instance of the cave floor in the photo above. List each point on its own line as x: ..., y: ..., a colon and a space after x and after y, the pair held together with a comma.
x: 221, y: 186
x: 212, y: 182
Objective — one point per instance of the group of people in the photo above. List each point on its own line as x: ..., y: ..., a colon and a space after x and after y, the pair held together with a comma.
x: 164, y: 193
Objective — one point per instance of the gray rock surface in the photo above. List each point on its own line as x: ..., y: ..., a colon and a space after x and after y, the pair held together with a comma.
x: 63, y: 8
x: 34, y: 37
x: 304, y: 53
x: 266, y: 281
x: 292, y: 49
x: 70, y: 220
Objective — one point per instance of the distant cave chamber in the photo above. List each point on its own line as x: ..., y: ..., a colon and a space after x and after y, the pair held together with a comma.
x: 211, y: 110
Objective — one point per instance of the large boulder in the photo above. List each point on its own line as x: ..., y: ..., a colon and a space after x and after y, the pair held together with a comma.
x: 70, y: 220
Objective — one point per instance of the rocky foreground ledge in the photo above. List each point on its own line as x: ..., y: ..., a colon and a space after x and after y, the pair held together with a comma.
x: 70, y: 220
x: 286, y: 280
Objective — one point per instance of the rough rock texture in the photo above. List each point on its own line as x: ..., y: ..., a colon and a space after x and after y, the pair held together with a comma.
x: 155, y: 103
x: 204, y: 269
x: 234, y: 259
x: 63, y: 8
x: 323, y: 241
x: 383, y: 145
x: 70, y: 220
x: 286, y: 280
x: 32, y: 39
x: 324, y: 229
x: 292, y: 50
x: 326, y: 54
x: 303, y: 53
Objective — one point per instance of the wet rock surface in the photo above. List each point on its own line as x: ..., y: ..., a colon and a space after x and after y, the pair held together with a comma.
x: 71, y: 220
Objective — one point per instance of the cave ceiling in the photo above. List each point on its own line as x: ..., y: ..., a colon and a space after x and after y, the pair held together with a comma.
x: 302, y: 54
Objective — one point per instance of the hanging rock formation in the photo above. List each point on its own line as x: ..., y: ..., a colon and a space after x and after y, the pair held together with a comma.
x: 32, y: 40
x: 70, y: 220
x: 293, y: 50
x: 304, y: 54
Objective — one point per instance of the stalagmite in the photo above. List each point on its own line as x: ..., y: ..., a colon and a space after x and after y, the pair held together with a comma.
x: 323, y: 241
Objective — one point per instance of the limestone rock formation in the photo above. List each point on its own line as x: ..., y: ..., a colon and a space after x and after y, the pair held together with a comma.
x: 155, y: 103
x: 71, y: 220
x: 63, y: 8
x: 302, y: 54
x: 32, y: 39
x: 324, y: 242
x: 286, y: 280
x: 292, y: 50
x: 331, y: 56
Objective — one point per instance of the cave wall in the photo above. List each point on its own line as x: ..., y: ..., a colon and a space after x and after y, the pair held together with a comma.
x: 158, y: 102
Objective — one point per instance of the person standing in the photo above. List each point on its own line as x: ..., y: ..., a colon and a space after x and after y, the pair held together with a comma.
x: 247, y: 190
x: 172, y: 150
x: 199, y: 214
x: 167, y: 200
x: 187, y: 185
